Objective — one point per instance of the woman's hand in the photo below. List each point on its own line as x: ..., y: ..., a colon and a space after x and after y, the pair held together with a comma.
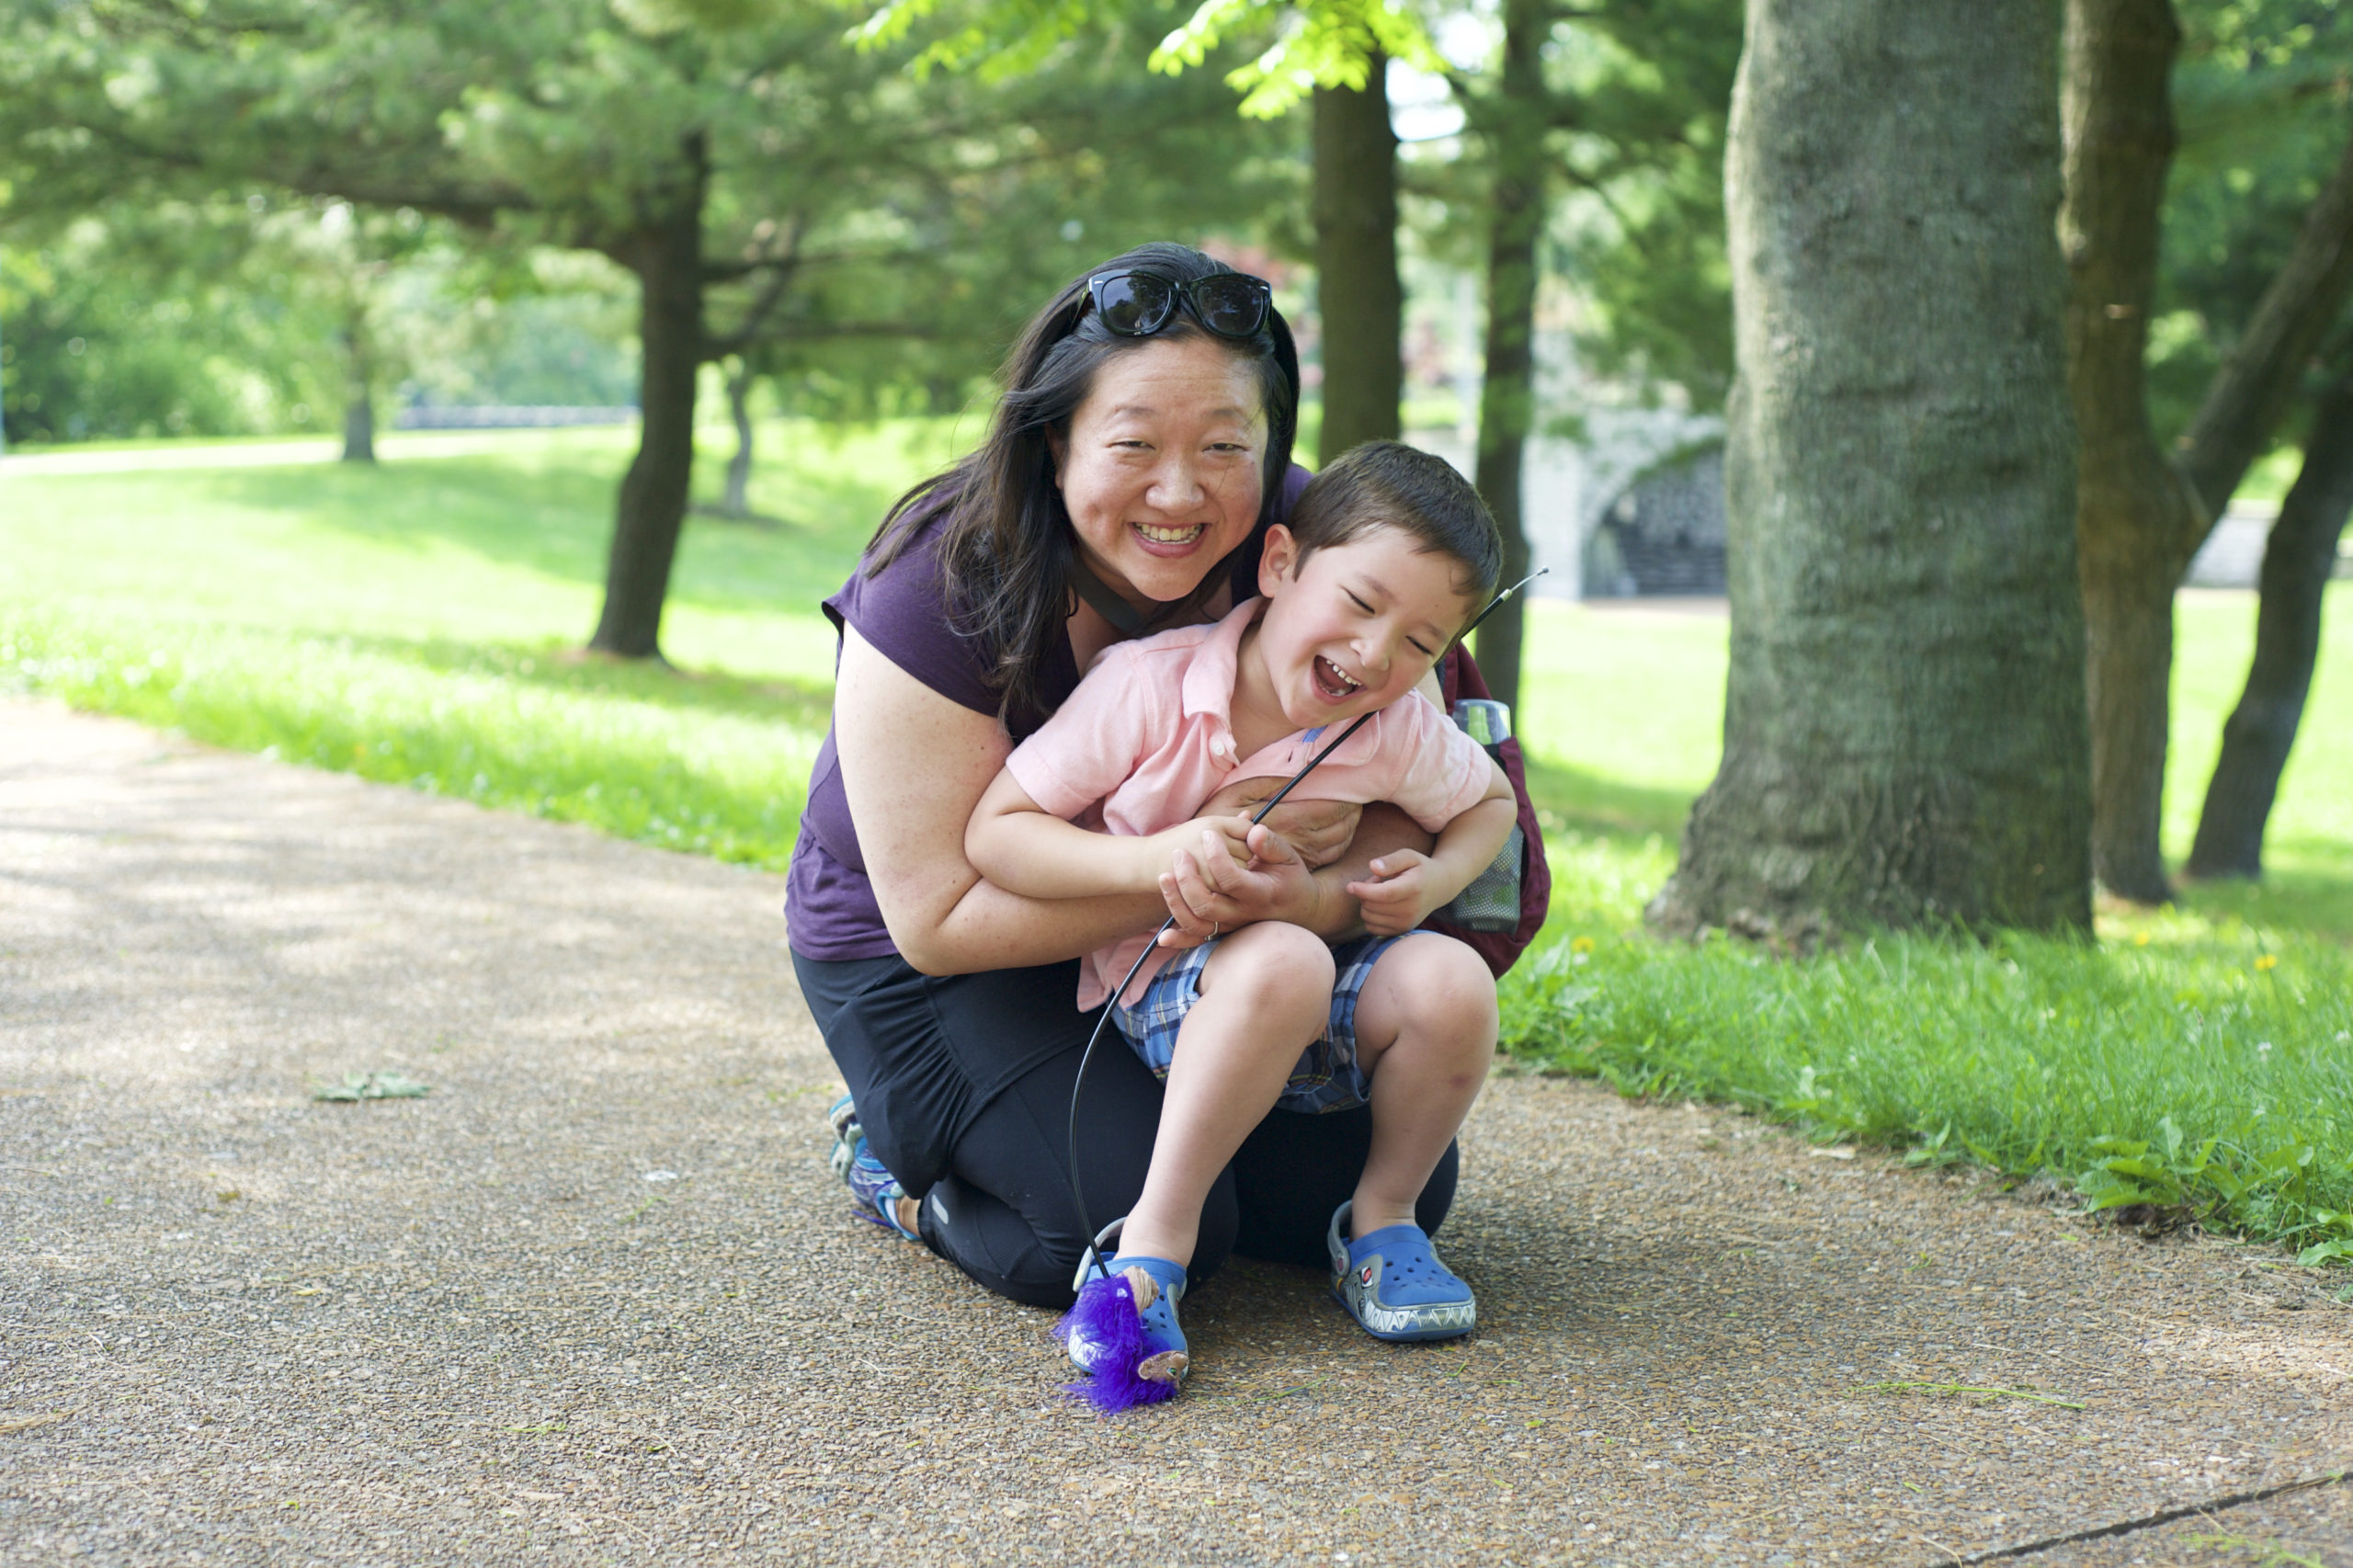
x: 1319, y: 831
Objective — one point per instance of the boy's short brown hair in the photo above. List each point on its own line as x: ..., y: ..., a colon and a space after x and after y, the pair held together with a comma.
x: 1388, y: 484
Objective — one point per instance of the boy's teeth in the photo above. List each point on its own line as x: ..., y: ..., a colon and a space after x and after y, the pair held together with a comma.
x: 1339, y: 675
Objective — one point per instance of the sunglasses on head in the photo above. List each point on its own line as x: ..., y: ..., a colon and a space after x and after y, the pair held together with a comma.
x: 1137, y: 304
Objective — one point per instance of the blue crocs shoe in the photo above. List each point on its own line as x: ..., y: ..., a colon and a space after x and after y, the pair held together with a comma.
x: 1393, y: 1285
x: 1122, y: 1331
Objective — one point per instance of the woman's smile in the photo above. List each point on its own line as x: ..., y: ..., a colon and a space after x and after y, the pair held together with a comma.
x: 1161, y: 468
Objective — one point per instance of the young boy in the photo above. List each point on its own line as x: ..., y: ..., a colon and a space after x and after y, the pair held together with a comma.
x: 1388, y: 556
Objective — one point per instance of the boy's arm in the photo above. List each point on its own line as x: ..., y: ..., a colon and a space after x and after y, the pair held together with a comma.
x: 1407, y: 887
x: 1023, y: 849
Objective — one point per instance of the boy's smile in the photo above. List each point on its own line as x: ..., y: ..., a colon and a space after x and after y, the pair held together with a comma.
x: 1349, y: 630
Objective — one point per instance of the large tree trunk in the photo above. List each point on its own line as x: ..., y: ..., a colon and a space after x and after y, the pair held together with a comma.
x: 2297, y: 562
x: 1507, y: 394
x: 666, y: 256
x: 1904, y: 740
x: 2136, y: 521
x: 359, y: 393
x: 1357, y: 293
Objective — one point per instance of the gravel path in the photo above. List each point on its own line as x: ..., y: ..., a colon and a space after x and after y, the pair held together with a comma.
x: 596, y: 1301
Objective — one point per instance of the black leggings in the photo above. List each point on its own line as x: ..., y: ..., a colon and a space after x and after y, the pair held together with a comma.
x: 963, y: 1086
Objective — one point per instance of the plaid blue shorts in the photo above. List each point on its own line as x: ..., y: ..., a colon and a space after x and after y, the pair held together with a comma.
x: 1327, y: 1077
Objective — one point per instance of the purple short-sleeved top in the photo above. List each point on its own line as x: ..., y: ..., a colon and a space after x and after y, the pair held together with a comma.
x: 903, y: 612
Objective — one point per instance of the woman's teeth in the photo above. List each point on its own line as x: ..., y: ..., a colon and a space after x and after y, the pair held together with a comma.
x: 1171, y: 536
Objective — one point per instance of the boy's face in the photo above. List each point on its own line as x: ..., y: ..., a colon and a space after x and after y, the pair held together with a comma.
x: 1357, y: 625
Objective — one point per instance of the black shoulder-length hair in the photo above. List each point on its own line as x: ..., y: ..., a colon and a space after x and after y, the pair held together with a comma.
x: 1005, y: 543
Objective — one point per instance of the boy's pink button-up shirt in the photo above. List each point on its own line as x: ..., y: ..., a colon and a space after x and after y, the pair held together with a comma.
x: 1148, y: 737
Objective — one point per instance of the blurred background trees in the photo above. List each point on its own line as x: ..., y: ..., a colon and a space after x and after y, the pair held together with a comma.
x: 1501, y: 225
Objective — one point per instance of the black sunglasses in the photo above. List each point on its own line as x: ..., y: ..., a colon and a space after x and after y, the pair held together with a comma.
x: 1137, y: 304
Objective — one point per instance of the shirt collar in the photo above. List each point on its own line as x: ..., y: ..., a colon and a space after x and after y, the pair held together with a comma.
x: 1209, y: 680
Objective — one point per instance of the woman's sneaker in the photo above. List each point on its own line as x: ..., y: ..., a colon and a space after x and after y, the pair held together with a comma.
x: 842, y: 1117
x: 873, y: 1190
x: 1393, y: 1285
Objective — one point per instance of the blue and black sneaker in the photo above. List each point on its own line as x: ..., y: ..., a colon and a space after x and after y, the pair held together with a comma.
x: 875, y: 1192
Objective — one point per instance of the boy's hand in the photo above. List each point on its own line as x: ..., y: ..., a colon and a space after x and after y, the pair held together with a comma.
x: 1220, y: 885
x: 1399, y: 896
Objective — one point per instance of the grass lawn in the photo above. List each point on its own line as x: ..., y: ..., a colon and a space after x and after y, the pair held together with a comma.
x: 416, y: 622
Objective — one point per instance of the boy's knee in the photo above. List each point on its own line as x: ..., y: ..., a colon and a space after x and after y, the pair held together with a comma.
x: 1279, y: 961
x: 1447, y: 987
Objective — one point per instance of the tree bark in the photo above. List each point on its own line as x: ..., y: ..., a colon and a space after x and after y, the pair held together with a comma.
x: 736, y: 504
x: 1359, y: 298
x: 1904, y: 737
x: 666, y: 256
x: 2136, y: 522
x: 360, y: 393
x: 1507, y: 391
x: 2297, y: 562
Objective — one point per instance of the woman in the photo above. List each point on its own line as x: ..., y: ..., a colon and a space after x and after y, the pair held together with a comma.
x: 1141, y: 447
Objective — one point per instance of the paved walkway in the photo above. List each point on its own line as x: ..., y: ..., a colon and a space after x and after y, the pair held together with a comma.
x: 596, y: 1301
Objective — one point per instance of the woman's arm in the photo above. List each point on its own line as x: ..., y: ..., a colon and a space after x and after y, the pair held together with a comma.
x: 1022, y: 847
x: 914, y: 765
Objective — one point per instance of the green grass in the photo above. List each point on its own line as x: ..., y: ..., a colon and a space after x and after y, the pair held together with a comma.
x: 417, y: 623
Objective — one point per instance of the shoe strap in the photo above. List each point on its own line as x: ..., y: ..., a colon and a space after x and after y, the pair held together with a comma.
x: 1168, y: 1274
x: 1398, y: 1236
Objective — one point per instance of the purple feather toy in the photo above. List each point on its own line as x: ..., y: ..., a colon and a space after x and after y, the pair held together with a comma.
x: 1105, y: 1333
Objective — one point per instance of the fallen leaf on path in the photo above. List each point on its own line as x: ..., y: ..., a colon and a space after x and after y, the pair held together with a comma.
x: 389, y: 1084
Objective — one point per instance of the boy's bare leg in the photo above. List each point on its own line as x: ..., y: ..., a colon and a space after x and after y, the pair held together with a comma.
x: 1426, y: 1032
x: 1265, y: 995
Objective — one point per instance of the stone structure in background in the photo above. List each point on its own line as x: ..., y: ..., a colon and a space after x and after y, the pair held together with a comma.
x: 1664, y: 532
x: 1568, y: 486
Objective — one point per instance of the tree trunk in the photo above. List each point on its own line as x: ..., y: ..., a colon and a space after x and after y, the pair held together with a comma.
x: 1360, y: 300
x: 360, y: 393
x: 2297, y: 562
x: 735, y: 503
x: 2141, y: 516
x: 666, y: 256
x: 1904, y: 739
x: 2136, y: 521
x: 2259, y: 379
x: 1507, y: 392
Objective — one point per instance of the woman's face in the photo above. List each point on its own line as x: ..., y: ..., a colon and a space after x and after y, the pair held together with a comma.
x: 1161, y: 467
